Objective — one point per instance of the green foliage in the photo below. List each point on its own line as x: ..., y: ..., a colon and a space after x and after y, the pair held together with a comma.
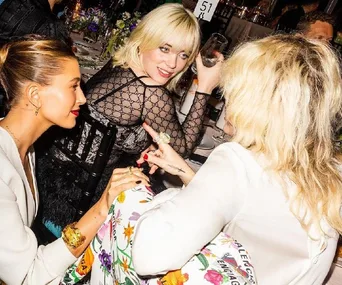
x: 123, y: 28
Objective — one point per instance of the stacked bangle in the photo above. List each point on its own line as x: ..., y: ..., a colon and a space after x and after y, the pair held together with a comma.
x: 72, y: 236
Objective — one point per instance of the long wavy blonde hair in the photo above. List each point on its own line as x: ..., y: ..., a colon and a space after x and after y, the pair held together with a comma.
x: 283, y: 96
x: 169, y: 23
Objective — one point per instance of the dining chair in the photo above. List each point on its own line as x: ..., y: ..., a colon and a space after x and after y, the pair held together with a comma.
x: 77, y: 147
x: 77, y: 144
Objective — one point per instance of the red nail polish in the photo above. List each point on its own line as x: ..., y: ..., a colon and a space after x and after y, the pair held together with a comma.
x: 138, y: 164
x: 145, y: 157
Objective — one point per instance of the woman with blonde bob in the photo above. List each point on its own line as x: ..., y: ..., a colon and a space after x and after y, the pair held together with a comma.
x: 135, y: 87
x: 158, y: 52
x: 168, y: 24
x: 276, y: 187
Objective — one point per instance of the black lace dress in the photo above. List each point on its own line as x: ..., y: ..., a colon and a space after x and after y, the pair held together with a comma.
x: 118, y: 96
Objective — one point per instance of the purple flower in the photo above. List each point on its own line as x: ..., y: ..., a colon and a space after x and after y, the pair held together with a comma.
x: 135, y: 216
x: 132, y: 27
x: 106, y: 260
x: 93, y: 27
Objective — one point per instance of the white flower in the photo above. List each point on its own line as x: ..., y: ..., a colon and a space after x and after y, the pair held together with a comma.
x: 96, y: 19
x: 126, y: 16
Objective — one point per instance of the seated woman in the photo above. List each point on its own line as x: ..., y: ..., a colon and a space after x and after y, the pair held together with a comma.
x: 34, y: 89
x: 223, y: 260
x: 276, y: 187
x: 133, y: 88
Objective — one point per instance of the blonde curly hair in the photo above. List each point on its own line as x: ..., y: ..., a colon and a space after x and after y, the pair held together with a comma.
x: 284, y: 99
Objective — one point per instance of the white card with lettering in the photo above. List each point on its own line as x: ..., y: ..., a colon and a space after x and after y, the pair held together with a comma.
x: 205, y: 9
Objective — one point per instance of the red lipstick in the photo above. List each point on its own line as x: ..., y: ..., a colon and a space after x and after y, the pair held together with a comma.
x: 75, y: 112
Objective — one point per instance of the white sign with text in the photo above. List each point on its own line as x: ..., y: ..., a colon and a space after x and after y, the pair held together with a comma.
x: 205, y: 9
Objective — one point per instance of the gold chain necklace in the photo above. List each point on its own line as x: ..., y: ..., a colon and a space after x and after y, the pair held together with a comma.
x: 12, y: 135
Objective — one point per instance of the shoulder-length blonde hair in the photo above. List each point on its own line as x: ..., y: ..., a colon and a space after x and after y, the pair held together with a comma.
x: 169, y: 23
x: 284, y: 99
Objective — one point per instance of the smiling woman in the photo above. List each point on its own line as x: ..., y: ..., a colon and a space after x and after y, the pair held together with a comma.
x: 132, y: 88
x: 168, y: 60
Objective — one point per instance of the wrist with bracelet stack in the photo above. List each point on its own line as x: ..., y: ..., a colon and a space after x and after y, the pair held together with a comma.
x: 72, y: 236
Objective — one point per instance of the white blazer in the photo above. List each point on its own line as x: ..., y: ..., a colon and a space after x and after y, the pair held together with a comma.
x: 21, y: 260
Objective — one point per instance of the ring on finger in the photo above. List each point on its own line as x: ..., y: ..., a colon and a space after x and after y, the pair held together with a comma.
x: 162, y: 138
x: 130, y: 171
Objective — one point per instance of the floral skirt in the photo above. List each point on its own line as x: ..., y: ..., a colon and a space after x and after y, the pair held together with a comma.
x: 109, y: 258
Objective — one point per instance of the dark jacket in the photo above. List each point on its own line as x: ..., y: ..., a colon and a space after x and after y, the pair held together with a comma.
x: 22, y: 17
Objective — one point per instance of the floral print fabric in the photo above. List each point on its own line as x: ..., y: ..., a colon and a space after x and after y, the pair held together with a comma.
x: 108, y: 257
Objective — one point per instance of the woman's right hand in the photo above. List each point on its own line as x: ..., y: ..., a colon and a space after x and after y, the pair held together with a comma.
x: 121, y: 180
x: 141, y: 160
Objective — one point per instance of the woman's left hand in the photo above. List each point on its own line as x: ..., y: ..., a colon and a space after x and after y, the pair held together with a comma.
x: 208, y: 77
x: 167, y: 158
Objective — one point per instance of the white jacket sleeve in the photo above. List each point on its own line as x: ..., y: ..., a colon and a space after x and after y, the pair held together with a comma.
x: 21, y: 262
x: 170, y: 233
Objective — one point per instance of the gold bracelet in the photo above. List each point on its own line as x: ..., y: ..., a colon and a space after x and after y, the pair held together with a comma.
x: 72, y: 236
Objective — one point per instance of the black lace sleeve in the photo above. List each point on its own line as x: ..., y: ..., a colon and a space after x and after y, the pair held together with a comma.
x: 126, y: 100
x: 159, y: 112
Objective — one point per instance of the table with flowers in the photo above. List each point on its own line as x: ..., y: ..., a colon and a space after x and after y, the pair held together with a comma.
x: 96, y: 38
x: 89, y: 55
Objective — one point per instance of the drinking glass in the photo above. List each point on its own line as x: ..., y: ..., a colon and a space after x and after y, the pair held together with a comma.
x: 211, y: 49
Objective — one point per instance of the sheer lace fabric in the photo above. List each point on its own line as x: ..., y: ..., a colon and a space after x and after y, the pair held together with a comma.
x: 118, y: 96
x: 124, y: 99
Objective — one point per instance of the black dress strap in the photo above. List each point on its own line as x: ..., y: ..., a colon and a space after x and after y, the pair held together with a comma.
x: 117, y: 89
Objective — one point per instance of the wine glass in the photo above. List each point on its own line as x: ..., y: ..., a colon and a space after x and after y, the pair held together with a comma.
x: 210, y: 50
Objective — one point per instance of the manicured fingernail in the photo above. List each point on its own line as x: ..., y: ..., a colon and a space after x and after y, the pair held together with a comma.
x: 138, y: 182
x: 149, y: 189
x: 146, y: 123
x: 138, y: 164
x: 145, y: 156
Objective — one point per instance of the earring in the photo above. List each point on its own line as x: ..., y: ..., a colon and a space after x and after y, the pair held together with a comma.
x: 37, y: 110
